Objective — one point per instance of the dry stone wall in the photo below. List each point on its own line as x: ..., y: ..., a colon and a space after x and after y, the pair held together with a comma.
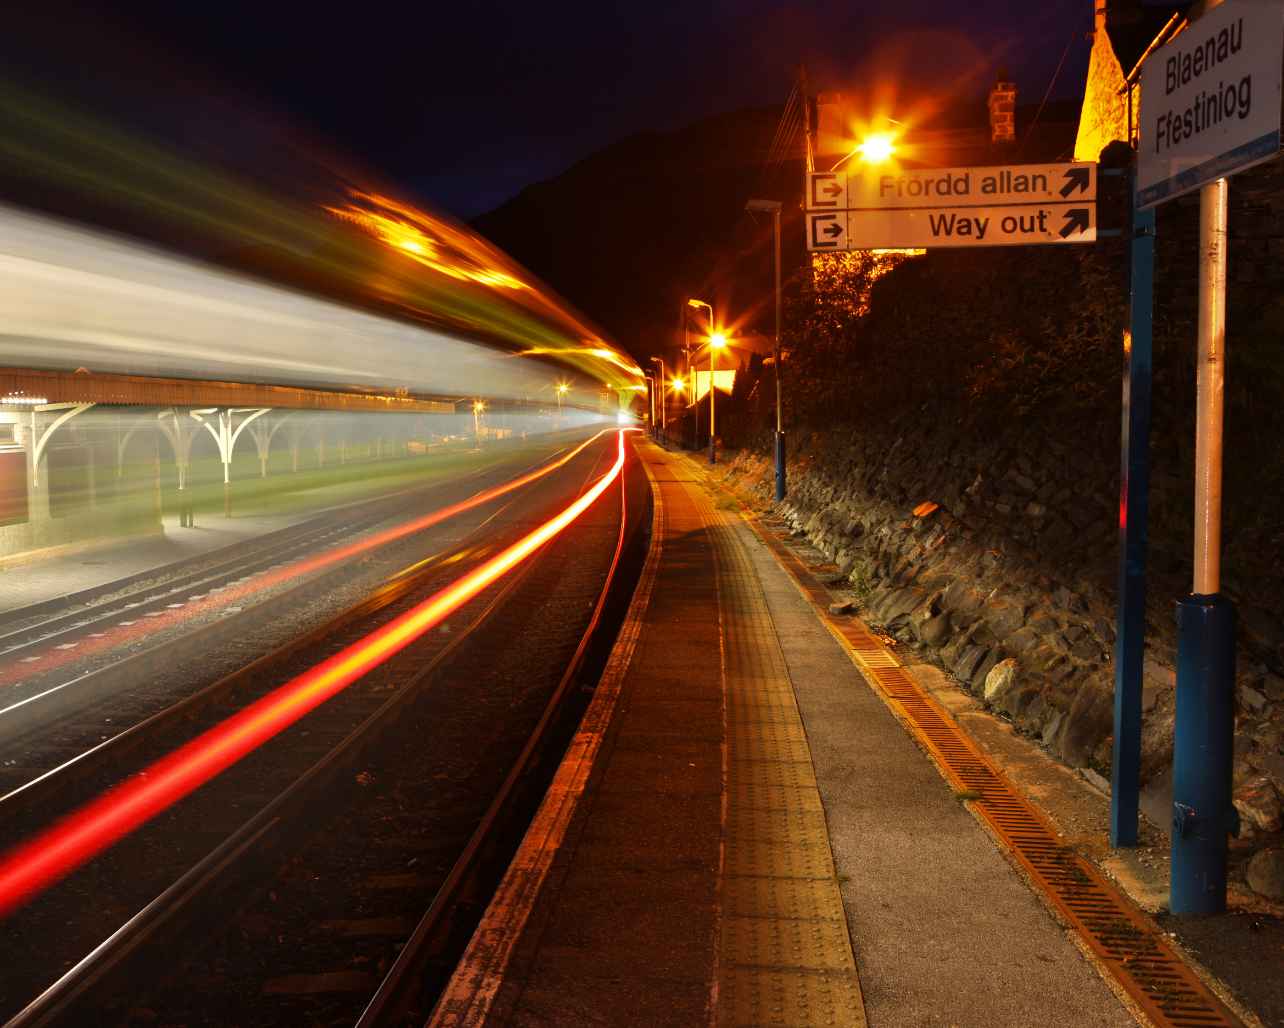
x: 997, y: 557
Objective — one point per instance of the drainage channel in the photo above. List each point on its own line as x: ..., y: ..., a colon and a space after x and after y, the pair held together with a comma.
x: 1123, y: 939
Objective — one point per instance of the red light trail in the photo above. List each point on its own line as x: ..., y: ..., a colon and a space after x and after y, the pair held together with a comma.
x: 34, y: 865
x: 53, y: 659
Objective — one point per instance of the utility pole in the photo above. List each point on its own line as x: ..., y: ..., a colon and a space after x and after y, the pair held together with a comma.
x: 773, y: 206
x: 806, y: 114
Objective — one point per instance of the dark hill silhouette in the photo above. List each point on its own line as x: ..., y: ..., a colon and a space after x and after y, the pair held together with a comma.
x: 630, y: 231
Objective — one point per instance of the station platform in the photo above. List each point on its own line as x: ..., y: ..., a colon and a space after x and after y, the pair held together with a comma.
x: 744, y: 832
x: 43, y: 577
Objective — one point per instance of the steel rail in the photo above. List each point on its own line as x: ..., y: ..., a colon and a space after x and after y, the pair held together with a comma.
x: 243, y: 854
x: 93, y: 593
x: 396, y: 993
x: 228, y: 625
x: 46, y: 786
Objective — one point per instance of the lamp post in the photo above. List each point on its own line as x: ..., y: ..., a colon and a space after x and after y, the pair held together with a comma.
x: 478, y: 407
x: 562, y: 389
x: 716, y: 342
x: 663, y: 398
x: 773, y: 207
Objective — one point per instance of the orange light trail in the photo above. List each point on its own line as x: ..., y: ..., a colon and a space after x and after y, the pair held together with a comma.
x: 54, y: 658
x: 38, y: 863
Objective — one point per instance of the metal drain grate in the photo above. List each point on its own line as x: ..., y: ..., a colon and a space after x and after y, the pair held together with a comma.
x: 1123, y: 939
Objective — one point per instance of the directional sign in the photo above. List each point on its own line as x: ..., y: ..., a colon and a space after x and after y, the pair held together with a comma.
x: 826, y: 190
x: 965, y: 187
x: 1014, y: 225
x: 1006, y: 205
x: 1210, y: 100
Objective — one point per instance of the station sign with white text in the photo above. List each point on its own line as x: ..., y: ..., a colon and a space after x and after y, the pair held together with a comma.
x: 1210, y: 100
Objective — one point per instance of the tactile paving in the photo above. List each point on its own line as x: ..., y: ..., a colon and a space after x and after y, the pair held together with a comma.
x: 813, y: 945
x: 785, y: 955
x: 784, y: 824
x: 787, y: 774
x: 757, y: 996
x: 741, y: 791
x: 805, y: 857
x: 798, y: 898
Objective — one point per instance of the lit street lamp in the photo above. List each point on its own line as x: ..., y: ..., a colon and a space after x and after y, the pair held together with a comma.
x: 478, y: 407
x: 773, y: 207
x: 663, y: 398
x: 716, y: 342
x: 562, y: 389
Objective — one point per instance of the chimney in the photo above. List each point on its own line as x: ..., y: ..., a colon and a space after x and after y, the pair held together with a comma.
x: 831, y: 125
x: 1003, y: 110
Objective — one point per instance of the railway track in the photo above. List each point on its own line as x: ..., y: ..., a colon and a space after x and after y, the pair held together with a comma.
x: 228, y: 839
x: 48, y: 719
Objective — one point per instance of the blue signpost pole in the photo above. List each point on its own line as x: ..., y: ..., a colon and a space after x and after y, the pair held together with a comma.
x: 1134, y: 487
x: 1203, y: 742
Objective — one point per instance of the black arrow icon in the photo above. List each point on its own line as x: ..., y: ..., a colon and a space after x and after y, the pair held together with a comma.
x: 819, y: 228
x: 833, y: 189
x: 1076, y: 221
x: 1076, y: 177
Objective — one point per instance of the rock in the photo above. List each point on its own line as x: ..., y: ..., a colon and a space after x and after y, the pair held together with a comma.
x: 842, y: 607
x: 1261, y: 627
x: 1272, y: 766
x: 1149, y: 696
x: 969, y: 660
x: 1035, y: 509
x: 1004, y: 619
x: 1023, y: 640
x: 1159, y: 673
x: 1251, y: 698
x: 983, y: 669
x: 1000, y: 679
x: 1104, y: 630
x: 1090, y: 719
x: 1266, y: 873
x: 1086, y: 649
x: 1259, y: 804
x: 933, y: 631
x: 962, y: 598
x: 1273, y: 686
x: 1053, y: 727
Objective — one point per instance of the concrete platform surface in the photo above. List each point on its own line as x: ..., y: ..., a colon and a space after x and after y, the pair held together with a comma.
x: 743, y: 834
x: 48, y: 577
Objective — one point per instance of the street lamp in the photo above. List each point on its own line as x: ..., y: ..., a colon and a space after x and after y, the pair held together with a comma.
x: 716, y: 342
x: 773, y: 207
x: 478, y: 407
x: 877, y: 148
x: 562, y: 389
x: 663, y: 398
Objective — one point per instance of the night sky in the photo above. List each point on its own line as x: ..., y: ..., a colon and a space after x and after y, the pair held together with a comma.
x: 462, y: 104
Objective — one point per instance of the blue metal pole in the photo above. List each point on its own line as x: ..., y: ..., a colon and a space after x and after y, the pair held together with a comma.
x: 1205, y: 730
x: 1134, y: 488
x: 1202, y: 754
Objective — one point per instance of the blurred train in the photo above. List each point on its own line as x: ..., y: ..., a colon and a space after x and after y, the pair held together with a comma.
x: 120, y: 256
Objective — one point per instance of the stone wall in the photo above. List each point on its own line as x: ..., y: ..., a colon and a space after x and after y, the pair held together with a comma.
x: 997, y: 556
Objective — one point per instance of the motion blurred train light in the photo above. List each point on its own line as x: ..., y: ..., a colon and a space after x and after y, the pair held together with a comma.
x: 56, y: 852
x: 287, y: 573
